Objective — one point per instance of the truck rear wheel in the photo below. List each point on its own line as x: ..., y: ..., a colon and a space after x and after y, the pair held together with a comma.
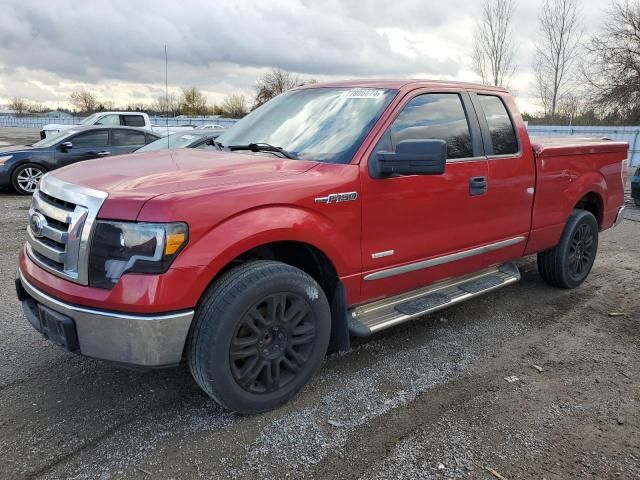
x: 568, y: 264
x: 260, y: 333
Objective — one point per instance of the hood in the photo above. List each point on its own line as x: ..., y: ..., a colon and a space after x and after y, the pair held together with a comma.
x: 15, y: 149
x: 148, y: 174
x: 57, y: 126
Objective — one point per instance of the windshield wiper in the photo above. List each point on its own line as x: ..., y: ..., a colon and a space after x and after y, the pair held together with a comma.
x: 261, y: 147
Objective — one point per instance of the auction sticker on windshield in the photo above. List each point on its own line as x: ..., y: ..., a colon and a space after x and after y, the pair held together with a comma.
x: 362, y: 93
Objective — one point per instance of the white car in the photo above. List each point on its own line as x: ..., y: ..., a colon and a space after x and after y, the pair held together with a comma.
x: 127, y: 119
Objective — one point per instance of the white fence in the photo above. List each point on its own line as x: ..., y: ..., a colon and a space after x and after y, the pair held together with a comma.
x: 39, y: 122
x: 625, y: 134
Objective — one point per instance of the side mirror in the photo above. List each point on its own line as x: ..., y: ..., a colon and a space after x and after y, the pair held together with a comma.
x: 64, y: 146
x: 413, y: 157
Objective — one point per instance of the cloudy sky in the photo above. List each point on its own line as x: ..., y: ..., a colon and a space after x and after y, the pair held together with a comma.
x: 116, y: 48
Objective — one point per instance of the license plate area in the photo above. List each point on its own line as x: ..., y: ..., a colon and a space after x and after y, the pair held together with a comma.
x: 58, y: 328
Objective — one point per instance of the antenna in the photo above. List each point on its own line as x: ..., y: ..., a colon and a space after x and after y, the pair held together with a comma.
x: 166, y: 90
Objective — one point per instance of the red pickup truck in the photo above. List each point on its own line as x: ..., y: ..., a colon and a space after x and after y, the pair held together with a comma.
x: 334, y: 210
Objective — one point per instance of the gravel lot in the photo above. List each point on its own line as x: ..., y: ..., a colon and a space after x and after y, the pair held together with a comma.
x: 427, y: 399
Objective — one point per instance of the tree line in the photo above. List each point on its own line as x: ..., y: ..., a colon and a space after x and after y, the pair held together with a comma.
x: 190, y: 102
x: 579, y: 79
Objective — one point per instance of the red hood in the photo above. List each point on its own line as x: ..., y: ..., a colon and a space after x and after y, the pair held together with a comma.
x: 131, y: 180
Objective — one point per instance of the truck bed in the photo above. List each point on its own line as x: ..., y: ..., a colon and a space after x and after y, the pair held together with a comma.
x: 566, y: 168
x: 570, y: 145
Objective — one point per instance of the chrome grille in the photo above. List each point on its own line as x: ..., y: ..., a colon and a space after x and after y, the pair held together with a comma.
x: 61, y: 220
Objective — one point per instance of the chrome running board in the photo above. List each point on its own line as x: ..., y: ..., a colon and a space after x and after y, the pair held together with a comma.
x: 375, y: 316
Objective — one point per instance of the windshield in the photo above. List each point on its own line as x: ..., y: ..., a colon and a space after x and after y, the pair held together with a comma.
x: 175, y: 140
x: 321, y: 124
x: 53, y: 139
x: 90, y: 119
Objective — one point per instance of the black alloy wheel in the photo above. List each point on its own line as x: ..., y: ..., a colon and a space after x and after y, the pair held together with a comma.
x: 272, y: 343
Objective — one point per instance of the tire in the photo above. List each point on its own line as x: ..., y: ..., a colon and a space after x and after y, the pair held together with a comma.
x: 568, y: 264
x: 25, y: 178
x: 246, y: 359
x: 637, y: 202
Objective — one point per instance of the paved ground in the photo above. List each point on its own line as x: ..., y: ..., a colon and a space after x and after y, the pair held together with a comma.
x: 425, y: 400
x: 18, y: 136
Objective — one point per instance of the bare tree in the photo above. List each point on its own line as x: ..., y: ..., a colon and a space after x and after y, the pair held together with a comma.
x: 193, y: 102
x: 19, y: 105
x: 557, y: 51
x: 274, y: 83
x: 493, y: 51
x: 613, y: 69
x: 167, y: 104
x: 38, y: 108
x: 84, y: 101
x: 235, y: 105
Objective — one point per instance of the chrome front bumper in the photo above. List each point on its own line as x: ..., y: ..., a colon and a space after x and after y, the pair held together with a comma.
x: 619, y: 216
x: 154, y: 340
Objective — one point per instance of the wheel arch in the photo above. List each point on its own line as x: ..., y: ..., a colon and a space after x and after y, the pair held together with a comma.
x: 592, y: 201
x: 306, y: 241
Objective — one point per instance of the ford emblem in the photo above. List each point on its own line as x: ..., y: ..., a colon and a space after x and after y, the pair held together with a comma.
x: 37, y: 222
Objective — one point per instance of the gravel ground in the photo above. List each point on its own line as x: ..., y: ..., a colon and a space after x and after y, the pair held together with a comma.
x: 426, y: 399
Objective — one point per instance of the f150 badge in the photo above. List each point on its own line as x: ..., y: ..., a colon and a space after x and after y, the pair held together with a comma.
x: 338, y: 197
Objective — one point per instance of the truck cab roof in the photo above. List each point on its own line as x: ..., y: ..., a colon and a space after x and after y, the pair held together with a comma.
x: 408, y: 84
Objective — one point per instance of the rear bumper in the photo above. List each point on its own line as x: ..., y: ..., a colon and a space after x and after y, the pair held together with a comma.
x: 148, y: 340
x: 619, y: 216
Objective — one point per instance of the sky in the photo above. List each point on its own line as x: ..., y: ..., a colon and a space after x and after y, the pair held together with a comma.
x: 115, y: 48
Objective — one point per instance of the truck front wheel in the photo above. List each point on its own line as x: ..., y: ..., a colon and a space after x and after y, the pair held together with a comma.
x: 260, y: 333
x: 568, y: 264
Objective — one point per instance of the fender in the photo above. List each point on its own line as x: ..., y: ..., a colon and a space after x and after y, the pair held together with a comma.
x: 555, y: 201
x: 259, y: 226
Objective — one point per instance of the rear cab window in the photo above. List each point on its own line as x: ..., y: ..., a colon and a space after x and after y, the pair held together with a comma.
x: 133, y: 121
x: 504, y: 140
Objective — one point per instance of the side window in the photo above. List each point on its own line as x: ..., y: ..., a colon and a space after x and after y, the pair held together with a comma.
x: 438, y: 116
x: 127, y: 138
x: 109, y: 120
x: 151, y: 138
x: 94, y: 138
x: 503, y: 135
x: 134, y: 120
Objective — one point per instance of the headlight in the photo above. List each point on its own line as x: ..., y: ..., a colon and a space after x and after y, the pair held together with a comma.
x: 5, y: 159
x: 121, y: 247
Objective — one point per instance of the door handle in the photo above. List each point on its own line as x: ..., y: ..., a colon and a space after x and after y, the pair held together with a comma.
x: 102, y: 154
x: 477, y: 186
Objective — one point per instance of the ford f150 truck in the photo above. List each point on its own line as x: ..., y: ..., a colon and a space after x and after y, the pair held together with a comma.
x: 334, y: 210
x: 127, y: 119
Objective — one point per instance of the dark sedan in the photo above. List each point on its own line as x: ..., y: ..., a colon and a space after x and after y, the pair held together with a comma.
x: 197, y: 138
x: 21, y: 167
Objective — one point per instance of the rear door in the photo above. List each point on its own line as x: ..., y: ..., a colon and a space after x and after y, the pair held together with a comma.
x: 126, y: 141
x: 511, y: 179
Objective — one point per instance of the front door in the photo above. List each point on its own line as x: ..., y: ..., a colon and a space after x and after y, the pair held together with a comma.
x: 414, y: 227
x: 85, y: 146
